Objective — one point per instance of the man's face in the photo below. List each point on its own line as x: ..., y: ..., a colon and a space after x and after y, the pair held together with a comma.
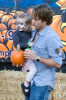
x: 20, y: 24
x: 38, y: 24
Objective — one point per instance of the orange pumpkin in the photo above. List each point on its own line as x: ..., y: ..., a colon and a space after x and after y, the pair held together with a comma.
x: 62, y: 4
x: 3, y: 49
x: 3, y: 36
x: 3, y: 27
x: 1, y: 11
x: 13, y: 14
x: 14, y: 11
x: 13, y: 26
x: 18, y: 12
x: 17, y: 56
x: 11, y: 21
x: 10, y: 41
x: 6, y: 18
x: 1, y: 14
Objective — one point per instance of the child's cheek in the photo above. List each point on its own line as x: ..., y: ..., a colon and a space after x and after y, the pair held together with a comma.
x: 23, y: 28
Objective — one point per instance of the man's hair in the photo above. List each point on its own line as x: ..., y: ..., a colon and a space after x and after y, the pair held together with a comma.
x: 28, y: 20
x: 43, y: 12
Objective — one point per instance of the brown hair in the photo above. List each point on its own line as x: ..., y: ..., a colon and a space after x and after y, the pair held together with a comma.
x: 43, y: 12
x: 28, y: 20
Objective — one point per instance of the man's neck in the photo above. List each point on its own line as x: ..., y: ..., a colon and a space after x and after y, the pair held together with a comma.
x: 39, y: 30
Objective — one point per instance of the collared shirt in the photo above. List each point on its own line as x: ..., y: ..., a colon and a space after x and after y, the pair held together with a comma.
x: 47, y: 45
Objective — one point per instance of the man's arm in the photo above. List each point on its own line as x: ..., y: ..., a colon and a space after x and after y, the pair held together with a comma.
x: 47, y: 61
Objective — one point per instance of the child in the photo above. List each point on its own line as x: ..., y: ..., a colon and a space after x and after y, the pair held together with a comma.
x: 21, y: 36
x: 23, y: 32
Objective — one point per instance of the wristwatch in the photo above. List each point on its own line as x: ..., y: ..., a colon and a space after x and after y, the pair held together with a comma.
x: 38, y: 59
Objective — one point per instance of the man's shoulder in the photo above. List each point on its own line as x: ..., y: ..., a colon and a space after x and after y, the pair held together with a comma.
x: 34, y: 31
x: 52, y: 33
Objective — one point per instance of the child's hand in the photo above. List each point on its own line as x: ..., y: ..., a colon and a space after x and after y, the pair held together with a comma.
x: 31, y: 44
x: 17, y: 65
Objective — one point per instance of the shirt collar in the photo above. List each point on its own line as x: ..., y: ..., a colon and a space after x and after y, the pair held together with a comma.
x: 44, y: 31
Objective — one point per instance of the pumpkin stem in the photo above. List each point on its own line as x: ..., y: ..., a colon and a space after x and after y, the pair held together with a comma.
x: 18, y: 48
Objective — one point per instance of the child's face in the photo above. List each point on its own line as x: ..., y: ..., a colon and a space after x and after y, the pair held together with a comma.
x: 21, y: 24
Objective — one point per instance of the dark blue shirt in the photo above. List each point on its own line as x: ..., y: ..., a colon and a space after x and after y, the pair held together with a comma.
x: 20, y: 37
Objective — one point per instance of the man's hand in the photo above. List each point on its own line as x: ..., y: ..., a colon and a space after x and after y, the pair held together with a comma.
x: 30, y: 54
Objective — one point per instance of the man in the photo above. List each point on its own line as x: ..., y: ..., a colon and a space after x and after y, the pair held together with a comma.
x: 46, y: 53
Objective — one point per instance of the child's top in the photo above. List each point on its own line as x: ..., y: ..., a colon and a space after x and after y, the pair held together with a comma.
x: 21, y: 37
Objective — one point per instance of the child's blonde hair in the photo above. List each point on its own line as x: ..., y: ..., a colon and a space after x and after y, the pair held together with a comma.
x: 28, y: 20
